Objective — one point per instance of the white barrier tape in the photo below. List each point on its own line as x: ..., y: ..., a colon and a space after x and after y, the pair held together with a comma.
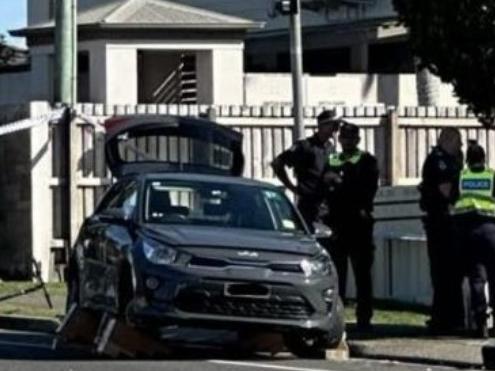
x: 16, y: 126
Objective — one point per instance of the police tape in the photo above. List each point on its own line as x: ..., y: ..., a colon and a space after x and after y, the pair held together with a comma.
x: 52, y: 117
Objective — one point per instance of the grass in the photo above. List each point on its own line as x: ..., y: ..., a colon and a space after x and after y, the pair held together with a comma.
x: 392, y: 313
x: 34, y: 304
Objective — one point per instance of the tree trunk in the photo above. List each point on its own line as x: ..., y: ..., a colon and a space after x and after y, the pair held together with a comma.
x: 427, y: 87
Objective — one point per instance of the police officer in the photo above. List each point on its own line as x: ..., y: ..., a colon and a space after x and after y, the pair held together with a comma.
x: 351, y: 178
x: 308, y: 158
x: 475, y: 214
x: 439, y: 192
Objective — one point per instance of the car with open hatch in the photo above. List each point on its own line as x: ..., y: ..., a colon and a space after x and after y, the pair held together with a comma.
x: 182, y: 239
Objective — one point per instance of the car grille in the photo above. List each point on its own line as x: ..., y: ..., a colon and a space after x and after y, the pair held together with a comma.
x: 277, y: 306
x: 224, y: 263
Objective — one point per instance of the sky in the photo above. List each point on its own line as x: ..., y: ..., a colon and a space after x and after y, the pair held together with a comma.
x: 13, y: 15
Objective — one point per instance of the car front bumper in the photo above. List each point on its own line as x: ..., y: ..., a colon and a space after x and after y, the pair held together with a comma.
x: 196, y: 296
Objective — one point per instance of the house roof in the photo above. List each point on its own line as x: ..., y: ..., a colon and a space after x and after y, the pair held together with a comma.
x: 148, y: 14
x: 260, y: 10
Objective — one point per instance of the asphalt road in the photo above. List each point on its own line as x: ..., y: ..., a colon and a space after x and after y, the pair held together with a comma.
x: 22, y: 351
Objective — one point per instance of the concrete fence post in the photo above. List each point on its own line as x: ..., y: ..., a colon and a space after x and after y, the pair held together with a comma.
x: 74, y: 153
x: 211, y: 113
x: 393, y: 148
x: 41, y: 194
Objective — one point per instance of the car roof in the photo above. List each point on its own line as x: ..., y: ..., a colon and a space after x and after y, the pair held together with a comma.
x: 207, y: 178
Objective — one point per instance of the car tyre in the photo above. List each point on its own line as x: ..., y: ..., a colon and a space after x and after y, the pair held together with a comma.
x: 73, y: 287
x: 336, y: 335
x: 315, y: 345
x: 126, y: 292
x: 306, y: 345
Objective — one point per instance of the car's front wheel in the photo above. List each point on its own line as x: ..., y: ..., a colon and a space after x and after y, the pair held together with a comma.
x: 306, y: 345
x: 72, y: 287
x: 311, y: 345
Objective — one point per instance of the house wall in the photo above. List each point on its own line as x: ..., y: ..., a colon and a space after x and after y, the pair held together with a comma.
x: 14, y: 87
x: 38, y: 11
x: 220, y: 66
x: 15, y: 197
x: 341, y: 89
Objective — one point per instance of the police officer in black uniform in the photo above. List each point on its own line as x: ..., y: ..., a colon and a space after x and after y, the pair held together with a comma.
x: 351, y: 178
x: 308, y: 158
x: 475, y: 218
x: 439, y: 192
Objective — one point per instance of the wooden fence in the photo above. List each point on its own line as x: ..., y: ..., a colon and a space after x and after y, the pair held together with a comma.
x: 399, y: 138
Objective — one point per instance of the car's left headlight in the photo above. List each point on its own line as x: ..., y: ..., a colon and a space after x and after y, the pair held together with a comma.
x: 318, y: 266
x: 158, y: 253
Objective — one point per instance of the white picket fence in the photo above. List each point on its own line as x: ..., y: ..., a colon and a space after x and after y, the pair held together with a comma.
x: 66, y: 186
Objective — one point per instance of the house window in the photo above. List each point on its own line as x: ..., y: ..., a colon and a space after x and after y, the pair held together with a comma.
x: 83, y: 76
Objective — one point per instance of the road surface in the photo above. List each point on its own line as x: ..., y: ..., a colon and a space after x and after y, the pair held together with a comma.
x: 28, y: 351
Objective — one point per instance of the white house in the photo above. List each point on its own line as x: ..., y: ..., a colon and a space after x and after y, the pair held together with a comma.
x: 221, y: 52
x: 145, y: 51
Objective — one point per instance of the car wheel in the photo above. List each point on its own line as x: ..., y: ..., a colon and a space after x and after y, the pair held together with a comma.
x: 306, y: 345
x: 126, y: 292
x: 72, y: 287
x: 337, y: 332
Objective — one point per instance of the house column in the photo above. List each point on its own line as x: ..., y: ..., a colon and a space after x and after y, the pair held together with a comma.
x: 204, y: 76
x: 228, y: 76
x: 220, y: 74
x: 97, y: 72
x: 359, y: 57
x: 121, y: 75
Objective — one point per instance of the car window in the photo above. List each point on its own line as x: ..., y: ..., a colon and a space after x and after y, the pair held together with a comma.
x: 285, y: 214
x: 121, y: 196
x: 218, y: 204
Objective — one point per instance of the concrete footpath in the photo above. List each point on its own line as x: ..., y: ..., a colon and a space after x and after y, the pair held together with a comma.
x: 404, y: 344
x: 413, y: 344
x: 456, y: 352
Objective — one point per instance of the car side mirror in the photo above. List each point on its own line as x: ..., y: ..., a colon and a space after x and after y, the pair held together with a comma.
x: 322, y: 231
x: 115, y: 216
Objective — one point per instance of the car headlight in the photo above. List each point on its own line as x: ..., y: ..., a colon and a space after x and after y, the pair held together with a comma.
x: 319, y: 266
x: 157, y: 253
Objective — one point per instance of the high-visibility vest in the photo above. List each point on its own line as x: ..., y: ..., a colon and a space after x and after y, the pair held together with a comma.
x: 476, y: 193
x: 336, y: 160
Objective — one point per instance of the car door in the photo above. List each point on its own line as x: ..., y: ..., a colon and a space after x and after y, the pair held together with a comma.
x: 106, y: 237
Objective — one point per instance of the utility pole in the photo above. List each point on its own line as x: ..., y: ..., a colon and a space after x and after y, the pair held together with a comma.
x: 292, y: 8
x: 297, y: 69
x: 66, y: 94
x: 66, y: 52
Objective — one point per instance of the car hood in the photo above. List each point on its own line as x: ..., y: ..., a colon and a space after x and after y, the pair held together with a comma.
x: 198, y: 236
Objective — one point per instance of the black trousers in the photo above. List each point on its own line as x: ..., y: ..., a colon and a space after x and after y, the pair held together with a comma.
x: 479, y: 248
x: 447, y: 310
x: 354, y: 241
x: 309, y: 209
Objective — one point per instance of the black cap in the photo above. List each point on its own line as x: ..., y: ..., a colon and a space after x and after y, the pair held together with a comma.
x: 329, y: 117
x: 349, y: 130
x: 475, y: 153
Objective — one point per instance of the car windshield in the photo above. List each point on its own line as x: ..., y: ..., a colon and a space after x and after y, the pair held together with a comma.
x: 220, y: 205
